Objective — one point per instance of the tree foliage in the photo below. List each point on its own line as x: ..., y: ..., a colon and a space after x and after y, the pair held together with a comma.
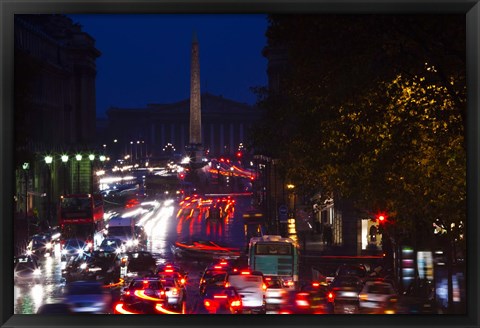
x: 372, y: 108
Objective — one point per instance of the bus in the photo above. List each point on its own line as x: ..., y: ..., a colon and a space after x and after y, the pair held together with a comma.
x: 81, y: 217
x: 275, y: 256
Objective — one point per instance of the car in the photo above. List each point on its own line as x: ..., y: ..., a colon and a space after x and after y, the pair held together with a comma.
x: 310, y: 298
x: 72, y: 248
x: 251, y: 286
x: 375, y: 296
x: 343, y: 293
x: 418, y: 298
x: 55, y: 308
x: 87, y: 297
x: 276, y: 293
x: 113, y: 245
x: 175, y: 293
x: 171, y: 270
x: 100, y: 266
x: 358, y: 270
x: 143, y: 295
x: 221, y: 300
x: 41, y: 245
x: 140, y: 263
x: 213, y: 275
x: 27, y: 270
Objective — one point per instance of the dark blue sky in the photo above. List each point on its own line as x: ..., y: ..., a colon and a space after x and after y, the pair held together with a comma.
x: 146, y: 58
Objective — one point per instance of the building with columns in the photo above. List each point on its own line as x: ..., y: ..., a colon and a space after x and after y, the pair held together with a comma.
x: 225, y: 125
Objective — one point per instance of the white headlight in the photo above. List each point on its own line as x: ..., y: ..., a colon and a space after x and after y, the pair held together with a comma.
x: 64, y: 252
x: 37, y: 272
x: 129, y: 243
x: 118, y: 250
x: 80, y: 251
x: 48, y: 245
x: 83, y: 266
x: 29, y: 252
x: 135, y: 242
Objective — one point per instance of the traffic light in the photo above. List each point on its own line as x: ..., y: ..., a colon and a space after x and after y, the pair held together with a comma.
x: 239, y: 154
x: 381, y: 218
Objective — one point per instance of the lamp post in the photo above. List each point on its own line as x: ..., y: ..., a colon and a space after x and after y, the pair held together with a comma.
x: 25, y: 168
x: 78, y: 157
x: 49, y: 160
x: 102, y: 159
x: 91, y: 157
x: 64, y: 161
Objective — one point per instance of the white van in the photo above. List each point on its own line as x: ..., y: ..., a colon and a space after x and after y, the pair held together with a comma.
x: 123, y: 229
x: 251, y: 287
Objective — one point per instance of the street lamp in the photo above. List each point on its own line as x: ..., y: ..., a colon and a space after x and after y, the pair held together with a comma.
x: 91, y: 157
x: 78, y: 157
x: 49, y: 160
x: 64, y: 161
x: 25, y: 167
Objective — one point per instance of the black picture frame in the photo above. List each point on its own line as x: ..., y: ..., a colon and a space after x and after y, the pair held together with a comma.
x: 471, y: 8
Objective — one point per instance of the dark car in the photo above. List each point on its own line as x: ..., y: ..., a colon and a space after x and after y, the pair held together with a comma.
x: 172, y: 270
x: 419, y: 298
x: 344, y: 294
x: 100, y: 266
x: 55, y: 308
x: 221, y: 300
x: 41, y: 245
x: 213, y: 275
x: 140, y: 263
x: 111, y: 245
x: 358, y: 270
x: 311, y: 298
x: 72, y: 248
x: 144, y: 295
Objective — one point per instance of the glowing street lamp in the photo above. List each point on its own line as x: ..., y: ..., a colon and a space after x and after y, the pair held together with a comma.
x: 49, y: 160
x: 64, y: 161
x: 91, y: 157
x: 78, y: 157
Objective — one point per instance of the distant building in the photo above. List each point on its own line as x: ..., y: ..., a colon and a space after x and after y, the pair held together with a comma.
x: 225, y: 125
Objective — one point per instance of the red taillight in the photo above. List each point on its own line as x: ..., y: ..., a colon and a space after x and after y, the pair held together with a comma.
x: 168, y: 270
x: 315, y: 284
x: 330, y: 297
x: 182, y: 281
x: 264, y: 287
x: 245, y: 272
x: 145, y: 281
x: 128, y: 292
x: 217, y: 267
x: 236, y: 303
x: 227, y: 284
x: 162, y: 292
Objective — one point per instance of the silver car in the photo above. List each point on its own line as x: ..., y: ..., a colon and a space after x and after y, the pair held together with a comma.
x: 87, y: 297
x: 251, y: 287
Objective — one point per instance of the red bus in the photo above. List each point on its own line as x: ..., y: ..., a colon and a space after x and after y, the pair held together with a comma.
x: 81, y: 217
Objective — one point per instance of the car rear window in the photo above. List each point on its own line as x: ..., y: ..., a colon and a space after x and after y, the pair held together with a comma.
x: 380, y: 289
x: 245, y: 281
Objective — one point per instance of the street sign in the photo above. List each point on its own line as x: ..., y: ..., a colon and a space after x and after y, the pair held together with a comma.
x: 283, y: 214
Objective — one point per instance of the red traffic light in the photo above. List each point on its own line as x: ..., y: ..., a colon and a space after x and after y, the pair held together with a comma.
x: 239, y: 154
x: 381, y: 218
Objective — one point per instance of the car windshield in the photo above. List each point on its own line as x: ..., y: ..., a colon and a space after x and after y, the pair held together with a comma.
x: 74, y: 243
x: 273, y: 283
x: 346, y: 282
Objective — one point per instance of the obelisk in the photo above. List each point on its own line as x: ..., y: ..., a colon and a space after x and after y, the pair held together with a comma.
x: 195, y: 101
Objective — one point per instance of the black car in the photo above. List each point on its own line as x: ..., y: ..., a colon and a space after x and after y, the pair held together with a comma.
x: 100, y: 266
x: 213, y: 275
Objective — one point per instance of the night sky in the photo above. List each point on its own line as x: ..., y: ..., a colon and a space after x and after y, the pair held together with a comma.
x: 146, y: 58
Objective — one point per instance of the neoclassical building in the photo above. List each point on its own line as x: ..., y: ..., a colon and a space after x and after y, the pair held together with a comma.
x: 225, y: 125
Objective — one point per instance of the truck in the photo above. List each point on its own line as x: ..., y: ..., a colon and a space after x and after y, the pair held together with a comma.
x: 125, y: 229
